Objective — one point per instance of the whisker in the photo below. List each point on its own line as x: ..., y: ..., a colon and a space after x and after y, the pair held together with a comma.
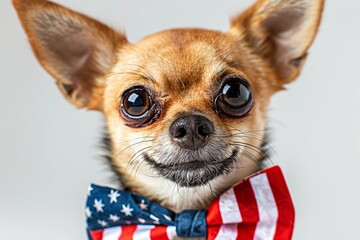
x: 253, y: 148
x: 244, y: 134
x: 247, y: 131
x: 260, y: 140
x: 211, y: 190
x: 137, y: 168
x: 251, y: 157
x: 178, y: 191
x: 237, y: 165
x: 143, y: 141
x: 132, y: 139
x: 131, y: 145
x: 135, y: 154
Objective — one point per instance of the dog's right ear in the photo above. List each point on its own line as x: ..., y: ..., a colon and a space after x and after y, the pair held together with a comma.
x: 76, y: 50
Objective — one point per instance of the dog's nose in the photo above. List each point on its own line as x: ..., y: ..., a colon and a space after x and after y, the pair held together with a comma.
x: 191, y: 132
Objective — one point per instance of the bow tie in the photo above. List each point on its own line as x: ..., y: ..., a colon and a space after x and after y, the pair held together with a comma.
x: 260, y: 207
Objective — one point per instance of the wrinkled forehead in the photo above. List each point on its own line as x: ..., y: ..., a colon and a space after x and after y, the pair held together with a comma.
x: 185, y: 55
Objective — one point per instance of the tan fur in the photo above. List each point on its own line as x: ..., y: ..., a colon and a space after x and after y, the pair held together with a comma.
x: 183, y: 68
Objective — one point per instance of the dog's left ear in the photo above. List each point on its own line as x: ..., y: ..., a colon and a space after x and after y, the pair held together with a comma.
x: 280, y: 31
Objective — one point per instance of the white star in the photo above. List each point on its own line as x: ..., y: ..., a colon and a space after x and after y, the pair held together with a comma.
x: 89, y: 190
x: 127, y: 210
x: 167, y: 217
x: 99, y: 205
x: 143, y: 206
x: 113, y: 196
x: 114, y: 218
x: 102, y: 223
x: 141, y: 220
x: 88, y: 212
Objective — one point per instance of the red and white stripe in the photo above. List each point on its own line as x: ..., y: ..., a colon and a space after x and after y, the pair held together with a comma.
x: 259, y: 208
x: 263, y: 204
x: 140, y: 232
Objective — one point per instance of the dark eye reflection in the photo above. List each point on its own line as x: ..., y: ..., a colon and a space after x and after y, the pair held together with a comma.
x: 235, y: 94
x: 235, y: 98
x: 138, y: 107
x: 137, y: 103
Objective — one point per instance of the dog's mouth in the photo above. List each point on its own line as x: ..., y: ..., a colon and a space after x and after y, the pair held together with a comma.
x: 196, y: 172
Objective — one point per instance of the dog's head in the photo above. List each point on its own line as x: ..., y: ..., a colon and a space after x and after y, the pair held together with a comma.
x: 185, y: 108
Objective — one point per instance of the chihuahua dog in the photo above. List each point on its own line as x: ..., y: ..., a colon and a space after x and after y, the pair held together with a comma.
x: 185, y: 109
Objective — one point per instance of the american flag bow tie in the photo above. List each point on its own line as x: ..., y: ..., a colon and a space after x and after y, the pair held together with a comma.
x: 260, y: 207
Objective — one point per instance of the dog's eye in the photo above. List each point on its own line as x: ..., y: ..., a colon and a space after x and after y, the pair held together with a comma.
x: 138, y: 107
x: 136, y: 103
x: 235, y: 98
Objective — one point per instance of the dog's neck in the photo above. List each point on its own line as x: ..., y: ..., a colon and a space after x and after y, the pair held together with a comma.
x: 178, y: 198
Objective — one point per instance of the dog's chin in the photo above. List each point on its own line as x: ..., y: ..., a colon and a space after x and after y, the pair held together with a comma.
x: 194, y: 173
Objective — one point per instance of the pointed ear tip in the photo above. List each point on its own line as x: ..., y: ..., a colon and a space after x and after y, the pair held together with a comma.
x: 21, y: 5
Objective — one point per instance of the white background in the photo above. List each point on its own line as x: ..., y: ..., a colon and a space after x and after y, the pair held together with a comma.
x: 49, y: 150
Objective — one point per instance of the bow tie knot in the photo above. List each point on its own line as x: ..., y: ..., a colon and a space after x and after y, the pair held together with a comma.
x: 191, y: 223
